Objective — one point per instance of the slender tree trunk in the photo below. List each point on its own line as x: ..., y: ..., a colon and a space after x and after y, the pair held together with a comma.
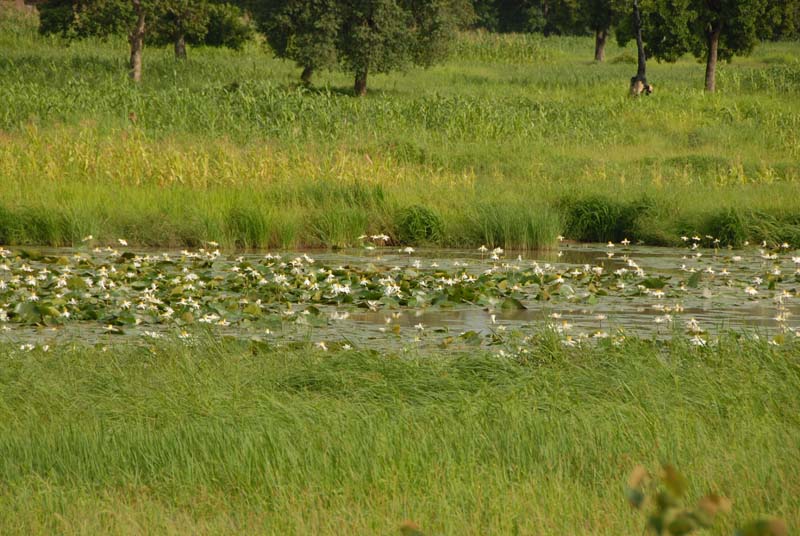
x: 600, y: 38
x: 136, y: 39
x: 545, y: 17
x: 361, y: 83
x: 305, y: 77
x: 641, y: 67
x: 180, y: 47
x: 711, y: 62
x: 639, y: 83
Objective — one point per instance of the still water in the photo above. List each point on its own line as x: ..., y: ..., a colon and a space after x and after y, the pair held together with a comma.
x: 583, y: 291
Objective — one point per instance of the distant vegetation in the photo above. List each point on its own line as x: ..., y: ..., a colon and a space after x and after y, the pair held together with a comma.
x: 513, y: 141
x: 365, y: 37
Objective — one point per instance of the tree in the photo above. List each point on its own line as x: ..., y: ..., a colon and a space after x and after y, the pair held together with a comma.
x: 178, y: 21
x: 710, y: 29
x: 76, y: 19
x: 587, y: 16
x: 136, y: 39
x: 227, y: 27
x: 574, y: 17
x: 360, y: 36
x: 600, y: 16
x: 198, y: 22
x: 486, y: 14
x: 639, y: 83
x: 374, y: 37
x: 157, y: 21
x: 781, y: 20
x: 304, y: 31
x: 383, y: 35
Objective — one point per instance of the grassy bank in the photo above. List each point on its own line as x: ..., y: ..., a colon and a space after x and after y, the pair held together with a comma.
x: 222, y: 437
x: 515, y: 140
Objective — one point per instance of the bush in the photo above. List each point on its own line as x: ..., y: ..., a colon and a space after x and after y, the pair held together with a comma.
x: 599, y: 219
x: 418, y: 224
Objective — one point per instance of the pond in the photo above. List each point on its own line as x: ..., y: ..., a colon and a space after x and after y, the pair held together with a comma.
x: 379, y: 297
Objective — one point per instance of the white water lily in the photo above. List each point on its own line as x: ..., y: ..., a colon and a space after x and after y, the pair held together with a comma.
x: 697, y: 340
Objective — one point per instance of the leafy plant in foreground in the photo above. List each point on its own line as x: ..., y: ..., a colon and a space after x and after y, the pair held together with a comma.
x: 668, y: 516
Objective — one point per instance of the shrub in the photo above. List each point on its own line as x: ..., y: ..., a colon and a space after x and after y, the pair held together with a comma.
x: 418, y: 224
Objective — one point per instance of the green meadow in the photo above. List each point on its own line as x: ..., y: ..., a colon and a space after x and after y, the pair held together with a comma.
x: 227, y: 437
x: 515, y: 140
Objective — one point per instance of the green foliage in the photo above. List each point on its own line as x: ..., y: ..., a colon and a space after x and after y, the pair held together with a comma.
x: 674, y: 28
x: 375, y: 36
x: 510, y: 224
x: 220, y: 435
x: 77, y: 19
x: 600, y: 219
x: 781, y: 20
x: 488, y: 143
x: 583, y: 16
x: 192, y: 21
x: 303, y: 31
x: 576, y: 17
x: 764, y: 527
x: 667, y: 516
x: 227, y: 27
x: 418, y: 225
x: 179, y: 19
x: 362, y: 36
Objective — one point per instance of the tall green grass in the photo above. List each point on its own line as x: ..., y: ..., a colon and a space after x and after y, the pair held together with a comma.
x: 222, y: 437
x: 502, y: 143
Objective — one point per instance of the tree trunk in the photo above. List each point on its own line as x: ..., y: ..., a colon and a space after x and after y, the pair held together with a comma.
x: 639, y: 83
x: 136, y: 39
x: 308, y: 72
x: 361, y: 83
x: 180, y: 47
x: 711, y: 63
x: 600, y: 38
x: 641, y: 67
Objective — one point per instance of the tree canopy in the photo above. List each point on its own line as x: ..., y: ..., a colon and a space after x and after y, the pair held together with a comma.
x: 304, y: 31
x: 709, y: 29
x: 361, y: 36
x: 157, y: 22
x: 376, y: 36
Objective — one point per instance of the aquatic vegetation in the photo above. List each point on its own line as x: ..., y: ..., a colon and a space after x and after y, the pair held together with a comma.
x: 418, y: 225
x: 392, y: 297
x: 600, y: 218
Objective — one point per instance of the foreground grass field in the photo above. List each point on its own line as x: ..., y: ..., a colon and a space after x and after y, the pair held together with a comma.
x: 223, y: 437
x: 515, y: 140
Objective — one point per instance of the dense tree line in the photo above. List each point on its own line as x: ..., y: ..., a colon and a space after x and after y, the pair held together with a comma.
x: 363, y: 37
x: 157, y: 22
x: 782, y: 18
